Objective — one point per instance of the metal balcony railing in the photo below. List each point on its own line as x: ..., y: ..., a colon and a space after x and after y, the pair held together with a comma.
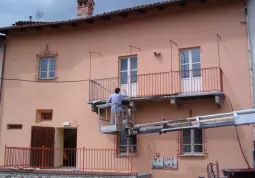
x: 84, y: 159
x: 159, y: 84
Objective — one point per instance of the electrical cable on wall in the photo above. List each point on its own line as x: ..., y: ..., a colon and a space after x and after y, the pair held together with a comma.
x: 44, y: 81
x: 231, y: 105
x: 237, y: 135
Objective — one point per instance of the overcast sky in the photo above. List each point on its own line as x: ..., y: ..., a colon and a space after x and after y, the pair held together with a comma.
x: 16, y: 10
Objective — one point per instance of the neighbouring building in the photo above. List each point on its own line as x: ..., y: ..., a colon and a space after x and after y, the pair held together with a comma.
x: 176, y: 59
x: 251, y: 34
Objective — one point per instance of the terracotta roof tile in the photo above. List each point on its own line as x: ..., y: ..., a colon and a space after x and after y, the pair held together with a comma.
x: 25, y: 24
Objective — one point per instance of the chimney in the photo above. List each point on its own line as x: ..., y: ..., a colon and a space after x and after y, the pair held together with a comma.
x: 85, y: 8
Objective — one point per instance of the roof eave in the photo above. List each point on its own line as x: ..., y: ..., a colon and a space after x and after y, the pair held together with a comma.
x: 6, y: 30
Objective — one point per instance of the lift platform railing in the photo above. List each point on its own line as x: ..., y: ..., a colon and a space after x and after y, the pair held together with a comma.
x: 125, y: 118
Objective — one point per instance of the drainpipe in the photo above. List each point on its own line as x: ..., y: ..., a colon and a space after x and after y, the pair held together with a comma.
x: 3, y: 64
x: 251, y: 56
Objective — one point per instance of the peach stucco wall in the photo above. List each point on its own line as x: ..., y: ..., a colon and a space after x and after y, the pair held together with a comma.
x: 189, y: 26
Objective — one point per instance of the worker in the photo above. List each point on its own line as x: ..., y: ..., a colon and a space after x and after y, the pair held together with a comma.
x: 116, y: 100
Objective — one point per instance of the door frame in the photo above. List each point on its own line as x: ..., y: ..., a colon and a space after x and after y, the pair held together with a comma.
x: 179, y: 64
x: 47, y: 152
x: 119, y: 70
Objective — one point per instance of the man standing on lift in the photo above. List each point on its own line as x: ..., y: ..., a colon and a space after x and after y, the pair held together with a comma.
x: 116, y: 100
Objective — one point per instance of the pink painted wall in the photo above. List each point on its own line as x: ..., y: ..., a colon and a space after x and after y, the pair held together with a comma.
x: 193, y: 25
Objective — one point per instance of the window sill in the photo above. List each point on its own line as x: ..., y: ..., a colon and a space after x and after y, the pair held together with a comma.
x: 126, y: 154
x: 193, y: 155
x: 45, y: 79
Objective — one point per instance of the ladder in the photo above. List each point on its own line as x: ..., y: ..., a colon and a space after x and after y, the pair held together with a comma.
x: 235, y: 118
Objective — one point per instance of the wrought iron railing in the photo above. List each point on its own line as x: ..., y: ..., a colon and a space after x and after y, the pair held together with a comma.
x: 84, y: 159
x: 159, y: 84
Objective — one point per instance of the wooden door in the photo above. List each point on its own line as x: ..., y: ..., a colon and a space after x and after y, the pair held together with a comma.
x: 42, y: 137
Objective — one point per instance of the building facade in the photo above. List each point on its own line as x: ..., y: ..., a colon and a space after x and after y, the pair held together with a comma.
x: 193, y: 54
x: 251, y: 29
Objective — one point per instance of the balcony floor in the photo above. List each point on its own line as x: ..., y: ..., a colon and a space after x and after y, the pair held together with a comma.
x: 183, y: 96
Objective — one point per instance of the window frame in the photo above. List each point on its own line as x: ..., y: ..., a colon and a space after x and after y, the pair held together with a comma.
x: 119, y: 152
x: 48, y: 71
x: 192, y: 140
x: 189, y: 74
x: 48, y: 55
x: 129, y: 69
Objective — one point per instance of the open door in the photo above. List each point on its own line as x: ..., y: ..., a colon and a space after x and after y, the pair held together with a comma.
x: 42, y: 137
x: 128, y: 75
x: 191, y: 79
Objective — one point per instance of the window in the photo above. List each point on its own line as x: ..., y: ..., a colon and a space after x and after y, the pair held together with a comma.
x: 126, y: 145
x: 14, y: 126
x: 43, y: 115
x: 190, y: 63
x: 192, y: 142
x: 47, y: 66
x: 46, y: 116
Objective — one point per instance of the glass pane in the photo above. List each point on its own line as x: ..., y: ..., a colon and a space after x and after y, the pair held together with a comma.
x: 185, y: 71
x: 198, y: 137
x: 52, y: 67
x: 124, y: 77
x: 195, y: 55
x: 123, y: 143
x: 186, y: 148
x: 196, y: 69
x: 198, y: 148
x: 43, y: 67
x: 133, y: 61
x: 134, y: 76
x: 184, y: 54
x: 123, y: 64
x: 186, y: 137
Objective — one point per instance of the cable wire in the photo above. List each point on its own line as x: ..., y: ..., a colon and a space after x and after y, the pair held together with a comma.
x: 44, y: 81
x: 237, y: 135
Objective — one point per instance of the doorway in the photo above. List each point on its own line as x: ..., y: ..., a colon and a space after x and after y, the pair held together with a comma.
x: 70, y: 147
x: 42, y: 142
x: 191, y: 79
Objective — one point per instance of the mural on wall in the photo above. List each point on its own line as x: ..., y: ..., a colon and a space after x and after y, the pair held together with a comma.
x: 164, y: 163
x: 157, y: 163
x: 171, y: 163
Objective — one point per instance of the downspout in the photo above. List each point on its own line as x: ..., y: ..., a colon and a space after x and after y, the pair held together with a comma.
x: 2, y: 43
x: 251, y: 57
x: 2, y: 74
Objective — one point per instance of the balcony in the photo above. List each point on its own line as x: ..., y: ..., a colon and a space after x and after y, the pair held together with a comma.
x: 174, y: 86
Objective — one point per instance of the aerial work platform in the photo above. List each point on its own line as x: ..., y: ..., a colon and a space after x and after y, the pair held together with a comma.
x: 104, y: 115
x: 235, y: 118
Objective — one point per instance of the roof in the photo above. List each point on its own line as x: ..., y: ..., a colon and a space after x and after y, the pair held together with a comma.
x: 122, y: 12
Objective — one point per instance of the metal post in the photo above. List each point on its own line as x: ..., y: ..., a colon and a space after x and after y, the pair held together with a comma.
x: 5, y: 149
x: 83, y: 159
x: 42, y: 156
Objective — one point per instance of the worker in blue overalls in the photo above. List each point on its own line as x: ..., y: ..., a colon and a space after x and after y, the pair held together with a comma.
x: 116, y: 100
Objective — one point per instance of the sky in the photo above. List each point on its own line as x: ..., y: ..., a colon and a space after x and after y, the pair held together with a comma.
x: 53, y: 10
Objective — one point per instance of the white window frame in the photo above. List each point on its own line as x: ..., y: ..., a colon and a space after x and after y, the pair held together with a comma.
x: 192, y: 144
x: 190, y: 62
x: 129, y: 70
x: 48, y: 68
x: 125, y: 153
